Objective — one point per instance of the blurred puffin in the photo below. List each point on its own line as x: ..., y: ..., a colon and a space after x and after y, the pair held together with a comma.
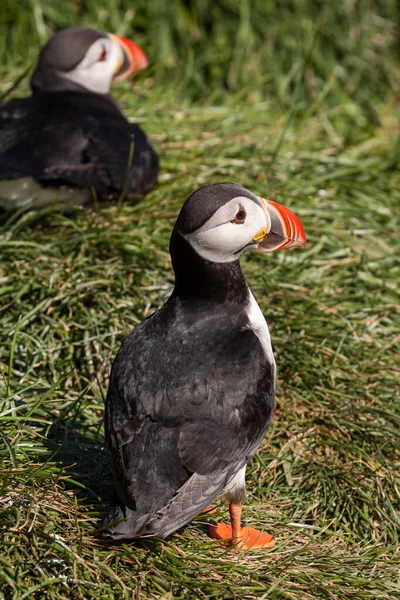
x: 71, y: 131
x: 192, y: 389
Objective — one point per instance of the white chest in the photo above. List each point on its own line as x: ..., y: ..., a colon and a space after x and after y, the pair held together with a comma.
x: 259, y: 325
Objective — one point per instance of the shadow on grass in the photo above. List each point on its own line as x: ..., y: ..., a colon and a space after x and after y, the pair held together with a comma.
x: 81, y: 451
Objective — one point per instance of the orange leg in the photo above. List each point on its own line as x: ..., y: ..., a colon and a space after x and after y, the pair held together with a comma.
x: 235, y: 513
x: 241, y: 537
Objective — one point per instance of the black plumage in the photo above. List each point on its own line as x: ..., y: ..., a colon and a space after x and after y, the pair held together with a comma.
x: 67, y: 134
x: 190, y: 399
x: 77, y: 139
x: 192, y: 389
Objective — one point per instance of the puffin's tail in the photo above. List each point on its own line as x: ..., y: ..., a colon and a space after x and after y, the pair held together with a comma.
x: 190, y: 500
x: 120, y: 522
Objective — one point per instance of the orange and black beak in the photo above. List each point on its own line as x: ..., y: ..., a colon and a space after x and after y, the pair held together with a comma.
x: 283, y: 228
x: 132, y: 58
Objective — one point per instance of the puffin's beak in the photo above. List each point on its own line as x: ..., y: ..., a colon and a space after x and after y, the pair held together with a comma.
x: 131, y: 58
x: 283, y: 230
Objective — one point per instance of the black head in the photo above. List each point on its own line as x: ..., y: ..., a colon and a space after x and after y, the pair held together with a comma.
x: 81, y: 58
x: 204, y: 202
x: 223, y: 220
x: 220, y: 222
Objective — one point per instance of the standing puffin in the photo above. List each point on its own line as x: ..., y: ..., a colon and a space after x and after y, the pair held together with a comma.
x: 71, y: 131
x: 192, y: 389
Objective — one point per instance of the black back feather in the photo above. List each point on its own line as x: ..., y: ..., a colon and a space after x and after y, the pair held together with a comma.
x: 77, y: 139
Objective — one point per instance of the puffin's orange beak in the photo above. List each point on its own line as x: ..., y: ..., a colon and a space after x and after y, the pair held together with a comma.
x: 283, y: 228
x: 132, y: 58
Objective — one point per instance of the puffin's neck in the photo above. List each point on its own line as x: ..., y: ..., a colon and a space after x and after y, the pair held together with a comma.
x: 197, y: 278
x: 48, y: 81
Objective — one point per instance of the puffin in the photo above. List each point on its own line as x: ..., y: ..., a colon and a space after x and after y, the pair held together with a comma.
x: 192, y: 388
x: 70, y: 131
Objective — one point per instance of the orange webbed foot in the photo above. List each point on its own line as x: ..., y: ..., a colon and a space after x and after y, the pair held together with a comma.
x: 249, y: 537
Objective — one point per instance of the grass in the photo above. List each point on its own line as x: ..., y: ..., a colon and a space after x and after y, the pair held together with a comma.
x: 326, y: 479
x: 348, y: 48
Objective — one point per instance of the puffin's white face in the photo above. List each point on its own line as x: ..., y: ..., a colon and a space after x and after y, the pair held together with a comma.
x: 97, y: 68
x: 238, y: 226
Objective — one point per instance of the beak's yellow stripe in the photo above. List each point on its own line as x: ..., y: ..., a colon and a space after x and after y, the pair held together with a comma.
x: 260, y: 235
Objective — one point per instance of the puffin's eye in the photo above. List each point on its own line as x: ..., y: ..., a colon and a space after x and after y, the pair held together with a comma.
x: 240, y: 216
x: 102, y: 56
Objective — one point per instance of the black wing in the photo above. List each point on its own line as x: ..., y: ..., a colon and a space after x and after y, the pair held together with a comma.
x: 185, y: 412
x: 118, y: 146
x: 39, y: 134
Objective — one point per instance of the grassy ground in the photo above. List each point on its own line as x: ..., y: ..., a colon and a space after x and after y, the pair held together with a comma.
x: 326, y: 479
